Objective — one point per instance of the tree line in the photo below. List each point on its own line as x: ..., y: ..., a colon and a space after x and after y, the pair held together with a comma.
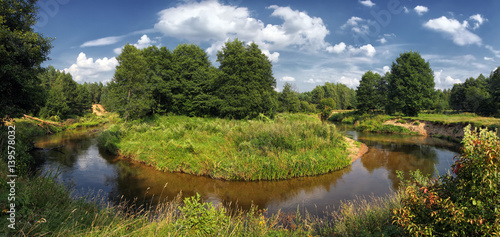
x: 408, y: 88
x: 184, y: 82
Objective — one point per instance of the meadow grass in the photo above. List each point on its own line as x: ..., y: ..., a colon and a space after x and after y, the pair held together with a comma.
x: 464, y: 118
x: 374, y: 122
x: 291, y: 145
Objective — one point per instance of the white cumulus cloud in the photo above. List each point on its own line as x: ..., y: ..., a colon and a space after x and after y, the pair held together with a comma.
x: 367, y: 3
x: 368, y: 50
x: 447, y: 82
x: 87, y: 70
x: 452, y: 28
x: 420, y: 10
x: 386, y: 69
x: 143, y: 42
x: 338, y: 48
x: 213, y: 22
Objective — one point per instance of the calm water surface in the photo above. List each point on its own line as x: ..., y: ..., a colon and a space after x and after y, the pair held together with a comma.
x: 87, y: 169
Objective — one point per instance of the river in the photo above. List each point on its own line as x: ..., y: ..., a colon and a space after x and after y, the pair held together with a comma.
x: 93, y: 173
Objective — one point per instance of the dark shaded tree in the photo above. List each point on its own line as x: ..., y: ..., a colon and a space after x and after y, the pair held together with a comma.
x: 21, y: 52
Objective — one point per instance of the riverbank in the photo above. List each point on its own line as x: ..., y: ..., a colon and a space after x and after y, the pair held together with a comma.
x: 449, y: 127
x: 291, y: 145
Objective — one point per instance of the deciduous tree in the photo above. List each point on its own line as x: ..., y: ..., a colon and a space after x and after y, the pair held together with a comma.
x: 411, y: 84
x: 21, y: 52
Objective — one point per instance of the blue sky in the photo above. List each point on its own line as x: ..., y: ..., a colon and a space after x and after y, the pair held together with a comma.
x: 309, y: 42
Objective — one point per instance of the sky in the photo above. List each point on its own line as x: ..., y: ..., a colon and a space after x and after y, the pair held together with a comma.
x: 308, y: 42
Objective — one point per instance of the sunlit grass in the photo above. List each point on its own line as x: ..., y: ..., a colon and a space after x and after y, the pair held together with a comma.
x: 465, y: 118
x: 286, y: 147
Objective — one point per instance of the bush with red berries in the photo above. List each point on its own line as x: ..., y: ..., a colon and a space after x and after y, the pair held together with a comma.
x: 466, y: 203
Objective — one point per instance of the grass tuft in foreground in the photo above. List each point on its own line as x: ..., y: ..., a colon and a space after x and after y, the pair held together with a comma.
x: 262, y: 149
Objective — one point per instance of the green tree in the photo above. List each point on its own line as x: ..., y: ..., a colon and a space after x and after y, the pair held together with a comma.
x: 317, y: 94
x: 288, y: 99
x: 246, y: 84
x: 192, y: 87
x: 371, y: 92
x: 21, y: 52
x: 65, y: 96
x: 494, y: 85
x: 470, y: 95
x: 130, y: 93
x: 411, y: 84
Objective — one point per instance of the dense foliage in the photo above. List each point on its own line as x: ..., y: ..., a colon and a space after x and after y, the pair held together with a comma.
x: 410, y: 84
x: 21, y: 52
x: 65, y: 97
x: 480, y: 95
x: 465, y: 204
x: 371, y: 92
x: 184, y: 82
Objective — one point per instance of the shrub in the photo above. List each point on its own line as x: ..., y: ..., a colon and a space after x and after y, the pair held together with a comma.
x: 466, y: 204
x: 201, y: 219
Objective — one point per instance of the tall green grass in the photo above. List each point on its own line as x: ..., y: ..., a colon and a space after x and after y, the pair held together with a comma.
x: 286, y: 147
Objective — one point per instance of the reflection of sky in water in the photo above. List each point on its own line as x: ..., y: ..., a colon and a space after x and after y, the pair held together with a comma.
x: 82, y: 164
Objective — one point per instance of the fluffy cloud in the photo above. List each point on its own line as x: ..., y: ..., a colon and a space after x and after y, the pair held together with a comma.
x: 86, y: 70
x: 367, y: 3
x: 489, y: 59
x: 478, y: 20
x: 420, y: 10
x: 338, y: 48
x: 213, y: 22
x: 143, y: 42
x: 458, y: 32
x: 287, y: 79
x: 368, y: 50
x: 444, y: 83
x: 386, y: 69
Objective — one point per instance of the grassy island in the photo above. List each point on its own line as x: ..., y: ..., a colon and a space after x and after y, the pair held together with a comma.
x: 260, y: 149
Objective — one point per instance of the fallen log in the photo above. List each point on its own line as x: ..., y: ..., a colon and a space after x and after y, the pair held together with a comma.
x: 43, y: 121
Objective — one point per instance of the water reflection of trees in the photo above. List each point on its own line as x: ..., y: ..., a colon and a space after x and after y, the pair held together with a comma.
x: 393, y: 157
x: 147, y: 184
